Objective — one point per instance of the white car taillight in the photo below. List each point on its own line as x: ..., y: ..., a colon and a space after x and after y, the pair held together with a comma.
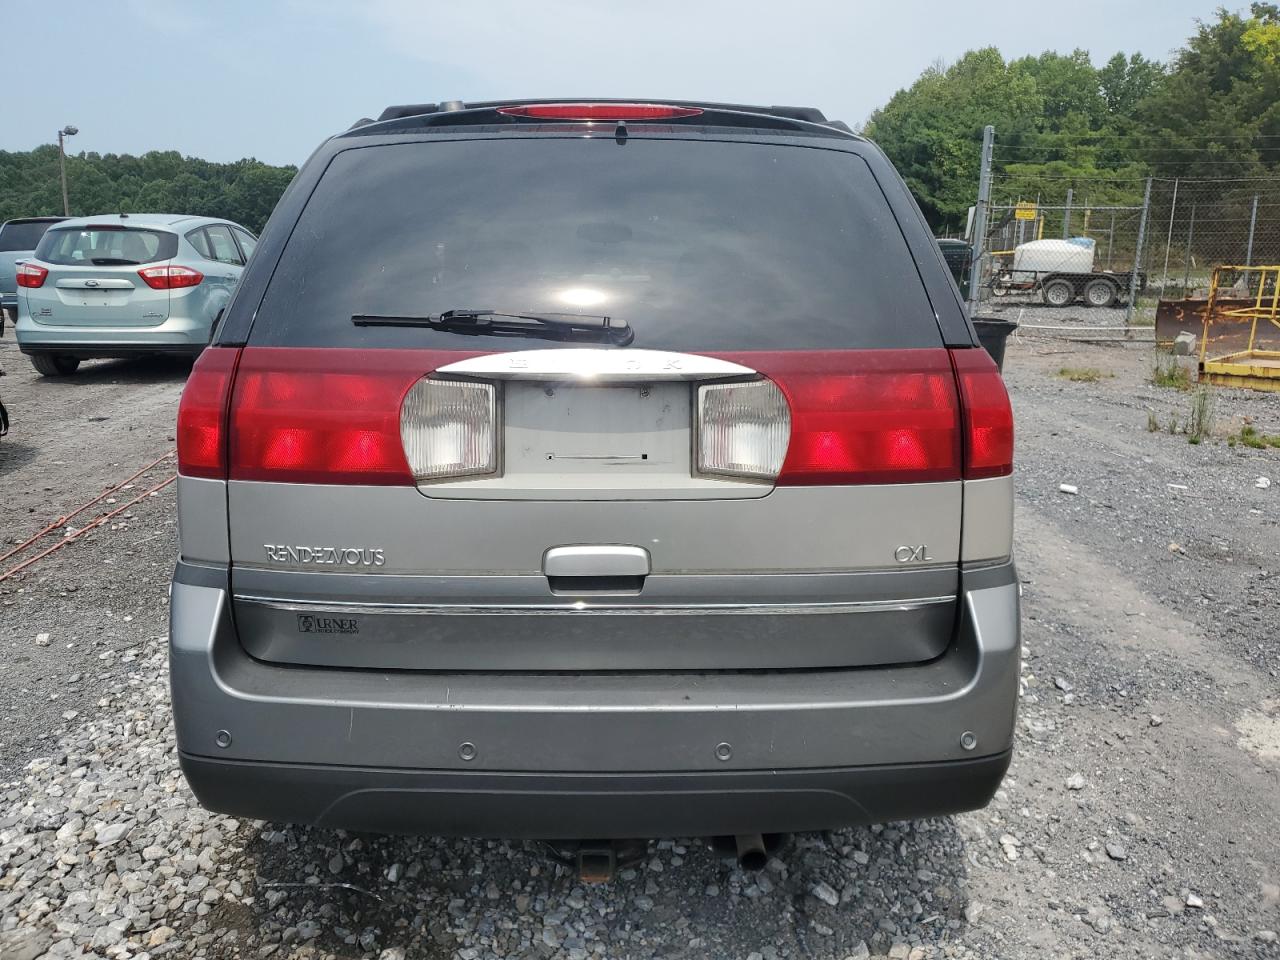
x: 449, y: 429
x: 743, y: 429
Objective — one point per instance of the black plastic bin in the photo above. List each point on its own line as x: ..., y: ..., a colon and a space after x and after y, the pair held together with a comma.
x: 992, y: 334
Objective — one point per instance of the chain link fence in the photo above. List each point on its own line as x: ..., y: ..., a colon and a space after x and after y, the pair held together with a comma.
x: 1197, y: 225
x: 1111, y: 255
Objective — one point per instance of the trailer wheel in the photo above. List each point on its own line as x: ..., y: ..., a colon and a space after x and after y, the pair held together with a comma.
x: 1059, y: 293
x: 1100, y: 293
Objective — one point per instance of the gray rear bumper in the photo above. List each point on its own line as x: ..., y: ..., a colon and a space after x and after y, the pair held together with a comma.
x: 596, y: 755
x: 577, y: 806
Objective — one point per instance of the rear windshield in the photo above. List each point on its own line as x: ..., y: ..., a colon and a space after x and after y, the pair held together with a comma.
x: 104, y: 246
x: 22, y: 236
x: 696, y: 245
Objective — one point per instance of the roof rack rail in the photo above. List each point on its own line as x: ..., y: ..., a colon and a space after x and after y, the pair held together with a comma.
x: 802, y: 114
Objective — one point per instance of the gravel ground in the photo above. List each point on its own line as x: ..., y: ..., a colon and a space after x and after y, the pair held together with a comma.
x: 1139, y: 818
x: 97, y: 598
x: 1075, y: 320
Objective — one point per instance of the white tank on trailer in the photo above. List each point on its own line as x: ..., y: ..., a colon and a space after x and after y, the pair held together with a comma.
x: 1052, y: 256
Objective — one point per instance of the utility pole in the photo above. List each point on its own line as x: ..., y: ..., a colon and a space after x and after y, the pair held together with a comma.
x: 980, y: 218
x: 67, y: 131
x: 1066, y: 215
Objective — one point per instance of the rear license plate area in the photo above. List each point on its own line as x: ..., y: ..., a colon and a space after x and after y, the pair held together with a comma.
x: 94, y: 298
x: 596, y: 435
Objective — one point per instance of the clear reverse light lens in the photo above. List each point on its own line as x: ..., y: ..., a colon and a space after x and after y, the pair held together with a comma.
x: 743, y: 429
x: 448, y: 428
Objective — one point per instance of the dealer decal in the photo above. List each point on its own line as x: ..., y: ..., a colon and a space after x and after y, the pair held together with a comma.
x: 310, y: 623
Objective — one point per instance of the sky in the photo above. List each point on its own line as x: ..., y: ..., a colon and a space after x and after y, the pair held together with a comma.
x: 271, y: 79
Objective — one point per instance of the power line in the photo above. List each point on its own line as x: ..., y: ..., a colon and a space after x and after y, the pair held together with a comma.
x: 1078, y: 178
x: 1134, y: 137
x: 1104, y: 178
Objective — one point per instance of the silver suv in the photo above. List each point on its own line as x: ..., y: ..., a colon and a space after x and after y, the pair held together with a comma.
x: 595, y: 470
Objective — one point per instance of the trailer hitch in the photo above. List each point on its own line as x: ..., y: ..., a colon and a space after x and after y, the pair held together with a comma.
x: 595, y: 861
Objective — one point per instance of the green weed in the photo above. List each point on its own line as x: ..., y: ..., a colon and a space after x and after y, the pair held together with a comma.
x: 1170, y: 373
x: 1084, y: 374
x: 1200, y: 422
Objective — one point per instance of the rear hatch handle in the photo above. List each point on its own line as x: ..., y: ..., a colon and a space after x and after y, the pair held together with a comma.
x: 596, y: 569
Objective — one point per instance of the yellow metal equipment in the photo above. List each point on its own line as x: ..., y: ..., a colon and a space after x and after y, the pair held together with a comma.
x: 1252, y: 368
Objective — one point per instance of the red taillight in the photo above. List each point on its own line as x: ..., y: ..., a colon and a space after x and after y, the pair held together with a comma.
x: 866, y: 416
x: 169, y: 277
x: 600, y: 111
x: 988, y: 417
x: 334, y: 415
x: 30, y: 275
x: 202, y: 415
x: 319, y: 415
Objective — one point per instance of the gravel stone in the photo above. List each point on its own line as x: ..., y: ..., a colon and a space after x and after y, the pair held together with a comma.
x: 160, y: 936
x: 824, y: 892
x: 24, y: 944
x: 111, y: 833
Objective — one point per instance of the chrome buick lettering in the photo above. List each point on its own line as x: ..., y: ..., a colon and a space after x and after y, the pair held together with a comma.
x: 912, y: 554
x: 329, y: 556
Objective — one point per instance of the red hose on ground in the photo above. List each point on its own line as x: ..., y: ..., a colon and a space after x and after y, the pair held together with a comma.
x: 61, y: 521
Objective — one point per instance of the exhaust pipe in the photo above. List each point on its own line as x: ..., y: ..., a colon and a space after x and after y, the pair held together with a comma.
x: 751, y: 851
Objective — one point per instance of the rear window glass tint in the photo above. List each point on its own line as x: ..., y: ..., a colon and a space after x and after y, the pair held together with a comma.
x: 198, y: 240
x: 101, y: 246
x: 224, y: 247
x: 22, y: 236
x: 247, y: 241
x: 697, y: 245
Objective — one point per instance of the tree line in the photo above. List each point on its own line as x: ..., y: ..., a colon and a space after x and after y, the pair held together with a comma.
x: 1212, y: 111
x: 162, y: 181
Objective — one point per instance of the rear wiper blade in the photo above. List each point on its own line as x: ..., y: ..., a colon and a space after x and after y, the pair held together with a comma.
x: 113, y: 262
x: 499, y: 323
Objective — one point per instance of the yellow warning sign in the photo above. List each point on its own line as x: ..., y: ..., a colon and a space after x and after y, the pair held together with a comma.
x: 1025, y: 210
